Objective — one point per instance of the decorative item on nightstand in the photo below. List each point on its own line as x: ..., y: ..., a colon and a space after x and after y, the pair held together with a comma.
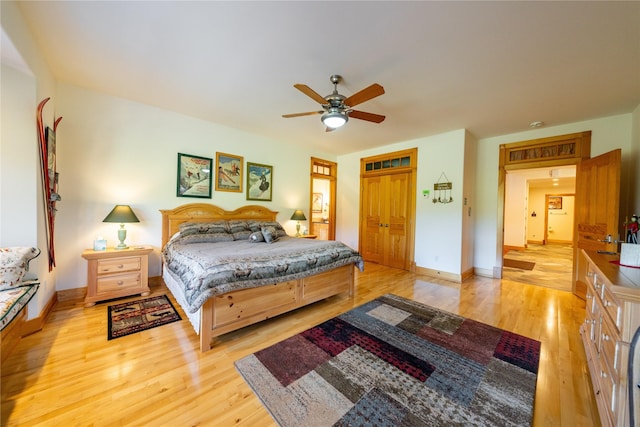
x: 121, y: 214
x: 298, y: 215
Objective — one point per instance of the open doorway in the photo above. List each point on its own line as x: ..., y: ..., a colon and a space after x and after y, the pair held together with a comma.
x: 322, y: 203
x: 538, y: 226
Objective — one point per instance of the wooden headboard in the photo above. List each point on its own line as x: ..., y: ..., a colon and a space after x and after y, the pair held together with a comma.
x: 202, y: 212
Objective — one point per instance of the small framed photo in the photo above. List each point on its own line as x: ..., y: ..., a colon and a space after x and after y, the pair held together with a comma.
x: 228, y: 172
x: 316, y: 203
x: 259, y: 182
x: 194, y: 176
x: 555, y: 202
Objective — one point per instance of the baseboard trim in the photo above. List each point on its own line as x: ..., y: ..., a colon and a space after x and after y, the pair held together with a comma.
x: 36, y: 324
x: 75, y: 294
x: 451, y: 277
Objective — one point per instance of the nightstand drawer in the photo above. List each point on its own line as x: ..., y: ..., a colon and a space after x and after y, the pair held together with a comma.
x: 116, y: 265
x: 118, y: 282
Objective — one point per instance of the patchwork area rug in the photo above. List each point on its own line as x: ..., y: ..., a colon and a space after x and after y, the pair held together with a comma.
x: 396, y: 362
x: 135, y: 316
x: 522, y: 265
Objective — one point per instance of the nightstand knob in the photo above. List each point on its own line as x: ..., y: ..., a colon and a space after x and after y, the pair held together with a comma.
x: 120, y: 282
x: 121, y: 266
x: 605, y: 337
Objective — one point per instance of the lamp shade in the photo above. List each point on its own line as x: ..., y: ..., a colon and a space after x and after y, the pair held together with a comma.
x: 121, y: 214
x: 298, y: 215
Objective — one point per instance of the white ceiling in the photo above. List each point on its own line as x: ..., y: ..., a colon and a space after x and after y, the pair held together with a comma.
x: 489, y: 67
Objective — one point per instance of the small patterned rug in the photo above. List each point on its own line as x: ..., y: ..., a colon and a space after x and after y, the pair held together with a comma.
x: 516, y: 263
x: 396, y: 362
x: 135, y: 316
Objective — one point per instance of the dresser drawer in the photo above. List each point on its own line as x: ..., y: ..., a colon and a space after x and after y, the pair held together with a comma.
x: 116, y: 265
x: 608, y: 385
x: 117, y: 282
x: 612, y: 307
x: 608, y: 341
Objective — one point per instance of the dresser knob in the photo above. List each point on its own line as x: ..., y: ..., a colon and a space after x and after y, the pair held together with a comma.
x: 603, y: 374
x: 605, y: 337
x: 120, y: 282
x: 121, y: 266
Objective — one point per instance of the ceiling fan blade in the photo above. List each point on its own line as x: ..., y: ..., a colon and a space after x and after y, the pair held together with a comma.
x: 364, y: 95
x: 370, y: 117
x: 310, y: 93
x: 310, y: 113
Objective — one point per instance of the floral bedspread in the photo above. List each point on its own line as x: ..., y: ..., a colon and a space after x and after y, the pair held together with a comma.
x: 13, y: 300
x: 210, y: 269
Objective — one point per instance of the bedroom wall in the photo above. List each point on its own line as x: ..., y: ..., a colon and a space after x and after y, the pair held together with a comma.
x: 439, y: 227
x: 608, y: 133
x: 24, y: 85
x: 114, y: 151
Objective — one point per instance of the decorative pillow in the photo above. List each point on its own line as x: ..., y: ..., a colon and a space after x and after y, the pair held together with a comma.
x: 189, y: 228
x: 257, y: 226
x: 14, y: 263
x: 239, y: 229
x: 270, y: 234
x: 254, y: 226
x: 256, y: 237
x: 206, y: 238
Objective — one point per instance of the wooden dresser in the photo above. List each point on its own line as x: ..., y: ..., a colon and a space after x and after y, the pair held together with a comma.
x: 612, y: 317
x: 116, y: 273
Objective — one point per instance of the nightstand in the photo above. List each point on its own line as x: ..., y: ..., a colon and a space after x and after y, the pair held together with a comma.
x: 116, y: 273
x: 307, y: 236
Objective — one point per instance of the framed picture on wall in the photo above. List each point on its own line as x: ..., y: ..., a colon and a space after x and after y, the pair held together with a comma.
x: 194, y: 176
x: 228, y: 172
x: 555, y: 202
x: 316, y: 203
x: 259, y: 182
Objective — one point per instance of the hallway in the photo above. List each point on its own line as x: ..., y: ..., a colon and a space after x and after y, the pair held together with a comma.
x: 552, y: 266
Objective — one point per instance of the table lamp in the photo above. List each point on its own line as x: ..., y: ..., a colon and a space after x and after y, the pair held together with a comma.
x: 298, y: 215
x: 121, y: 214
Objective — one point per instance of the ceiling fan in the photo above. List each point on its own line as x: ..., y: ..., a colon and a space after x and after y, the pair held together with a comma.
x: 338, y: 108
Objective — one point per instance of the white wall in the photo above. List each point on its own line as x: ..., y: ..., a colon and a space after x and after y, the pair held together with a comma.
x: 25, y: 88
x: 515, y: 210
x: 438, y: 226
x: 113, y: 151
x: 560, y: 221
x: 608, y: 133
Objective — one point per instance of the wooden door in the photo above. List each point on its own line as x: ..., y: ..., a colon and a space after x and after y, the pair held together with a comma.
x: 372, y: 219
x: 396, y: 224
x: 386, y: 204
x: 597, y: 209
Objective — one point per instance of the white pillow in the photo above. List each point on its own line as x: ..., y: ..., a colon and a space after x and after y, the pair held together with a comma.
x: 14, y: 263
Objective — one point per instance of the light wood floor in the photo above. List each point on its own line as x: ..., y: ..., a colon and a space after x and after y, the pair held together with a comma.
x: 553, y: 265
x: 69, y: 374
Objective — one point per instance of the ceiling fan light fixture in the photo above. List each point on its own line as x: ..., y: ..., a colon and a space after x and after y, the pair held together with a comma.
x: 334, y: 118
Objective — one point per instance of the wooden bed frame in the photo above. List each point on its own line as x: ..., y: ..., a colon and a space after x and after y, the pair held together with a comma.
x: 234, y: 310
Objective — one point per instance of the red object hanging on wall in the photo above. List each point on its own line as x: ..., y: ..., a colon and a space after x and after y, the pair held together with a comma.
x: 46, y: 141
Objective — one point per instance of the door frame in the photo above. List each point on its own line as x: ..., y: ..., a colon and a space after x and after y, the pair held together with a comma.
x: 387, y: 164
x: 562, y: 150
x: 324, y: 169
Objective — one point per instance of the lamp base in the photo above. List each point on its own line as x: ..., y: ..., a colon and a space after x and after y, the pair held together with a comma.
x: 298, y: 229
x: 122, y: 234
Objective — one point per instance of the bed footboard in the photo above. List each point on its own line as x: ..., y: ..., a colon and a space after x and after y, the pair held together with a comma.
x: 234, y: 310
